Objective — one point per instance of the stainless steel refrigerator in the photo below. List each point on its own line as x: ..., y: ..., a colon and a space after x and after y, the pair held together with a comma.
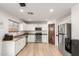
x: 64, y: 32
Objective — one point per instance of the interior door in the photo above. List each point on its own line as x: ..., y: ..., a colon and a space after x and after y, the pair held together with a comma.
x: 51, y: 28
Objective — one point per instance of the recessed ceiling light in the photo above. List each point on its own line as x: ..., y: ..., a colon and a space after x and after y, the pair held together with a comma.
x: 21, y: 10
x: 51, y: 10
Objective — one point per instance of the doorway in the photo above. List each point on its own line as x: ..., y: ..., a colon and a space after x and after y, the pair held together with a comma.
x: 51, y: 32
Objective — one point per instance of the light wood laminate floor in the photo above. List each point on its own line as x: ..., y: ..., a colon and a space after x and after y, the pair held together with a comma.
x: 40, y: 49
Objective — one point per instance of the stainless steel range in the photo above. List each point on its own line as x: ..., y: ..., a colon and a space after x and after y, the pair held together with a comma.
x: 38, y: 35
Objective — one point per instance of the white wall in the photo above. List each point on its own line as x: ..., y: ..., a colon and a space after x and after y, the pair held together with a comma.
x: 75, y: 21
x: 64, y: 20
x: 4, y: 25
x: 3, y: 28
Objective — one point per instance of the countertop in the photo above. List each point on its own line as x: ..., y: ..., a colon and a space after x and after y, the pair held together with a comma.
x: 21, y: 34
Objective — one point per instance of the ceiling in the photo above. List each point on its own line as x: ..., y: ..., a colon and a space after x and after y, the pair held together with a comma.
x: 40, y: 10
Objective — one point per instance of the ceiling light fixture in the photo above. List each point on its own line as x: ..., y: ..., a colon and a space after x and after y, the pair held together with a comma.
x: 22, y: 4
x: 51, y: 10
x: 21, y: 10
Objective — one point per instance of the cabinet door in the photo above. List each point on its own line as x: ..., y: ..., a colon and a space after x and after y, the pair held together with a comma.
x: 19, y: 44
x: 31, y: 38
x: 23, y: 42
x: 44, y: 38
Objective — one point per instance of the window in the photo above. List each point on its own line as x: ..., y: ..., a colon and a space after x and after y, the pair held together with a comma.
x: 13, y: 26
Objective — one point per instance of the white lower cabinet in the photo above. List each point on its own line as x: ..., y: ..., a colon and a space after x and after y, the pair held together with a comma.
x: 8, y: 48
x: 11, y: 48
x: 45, y: 38
x: 31, y: 38
x: 19, y: 44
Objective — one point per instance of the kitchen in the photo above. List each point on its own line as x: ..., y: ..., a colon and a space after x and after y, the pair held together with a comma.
x: 35, y: 25
x: 16, y: 39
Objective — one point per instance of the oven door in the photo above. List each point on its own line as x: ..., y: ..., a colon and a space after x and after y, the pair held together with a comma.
x: 38, y: 37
